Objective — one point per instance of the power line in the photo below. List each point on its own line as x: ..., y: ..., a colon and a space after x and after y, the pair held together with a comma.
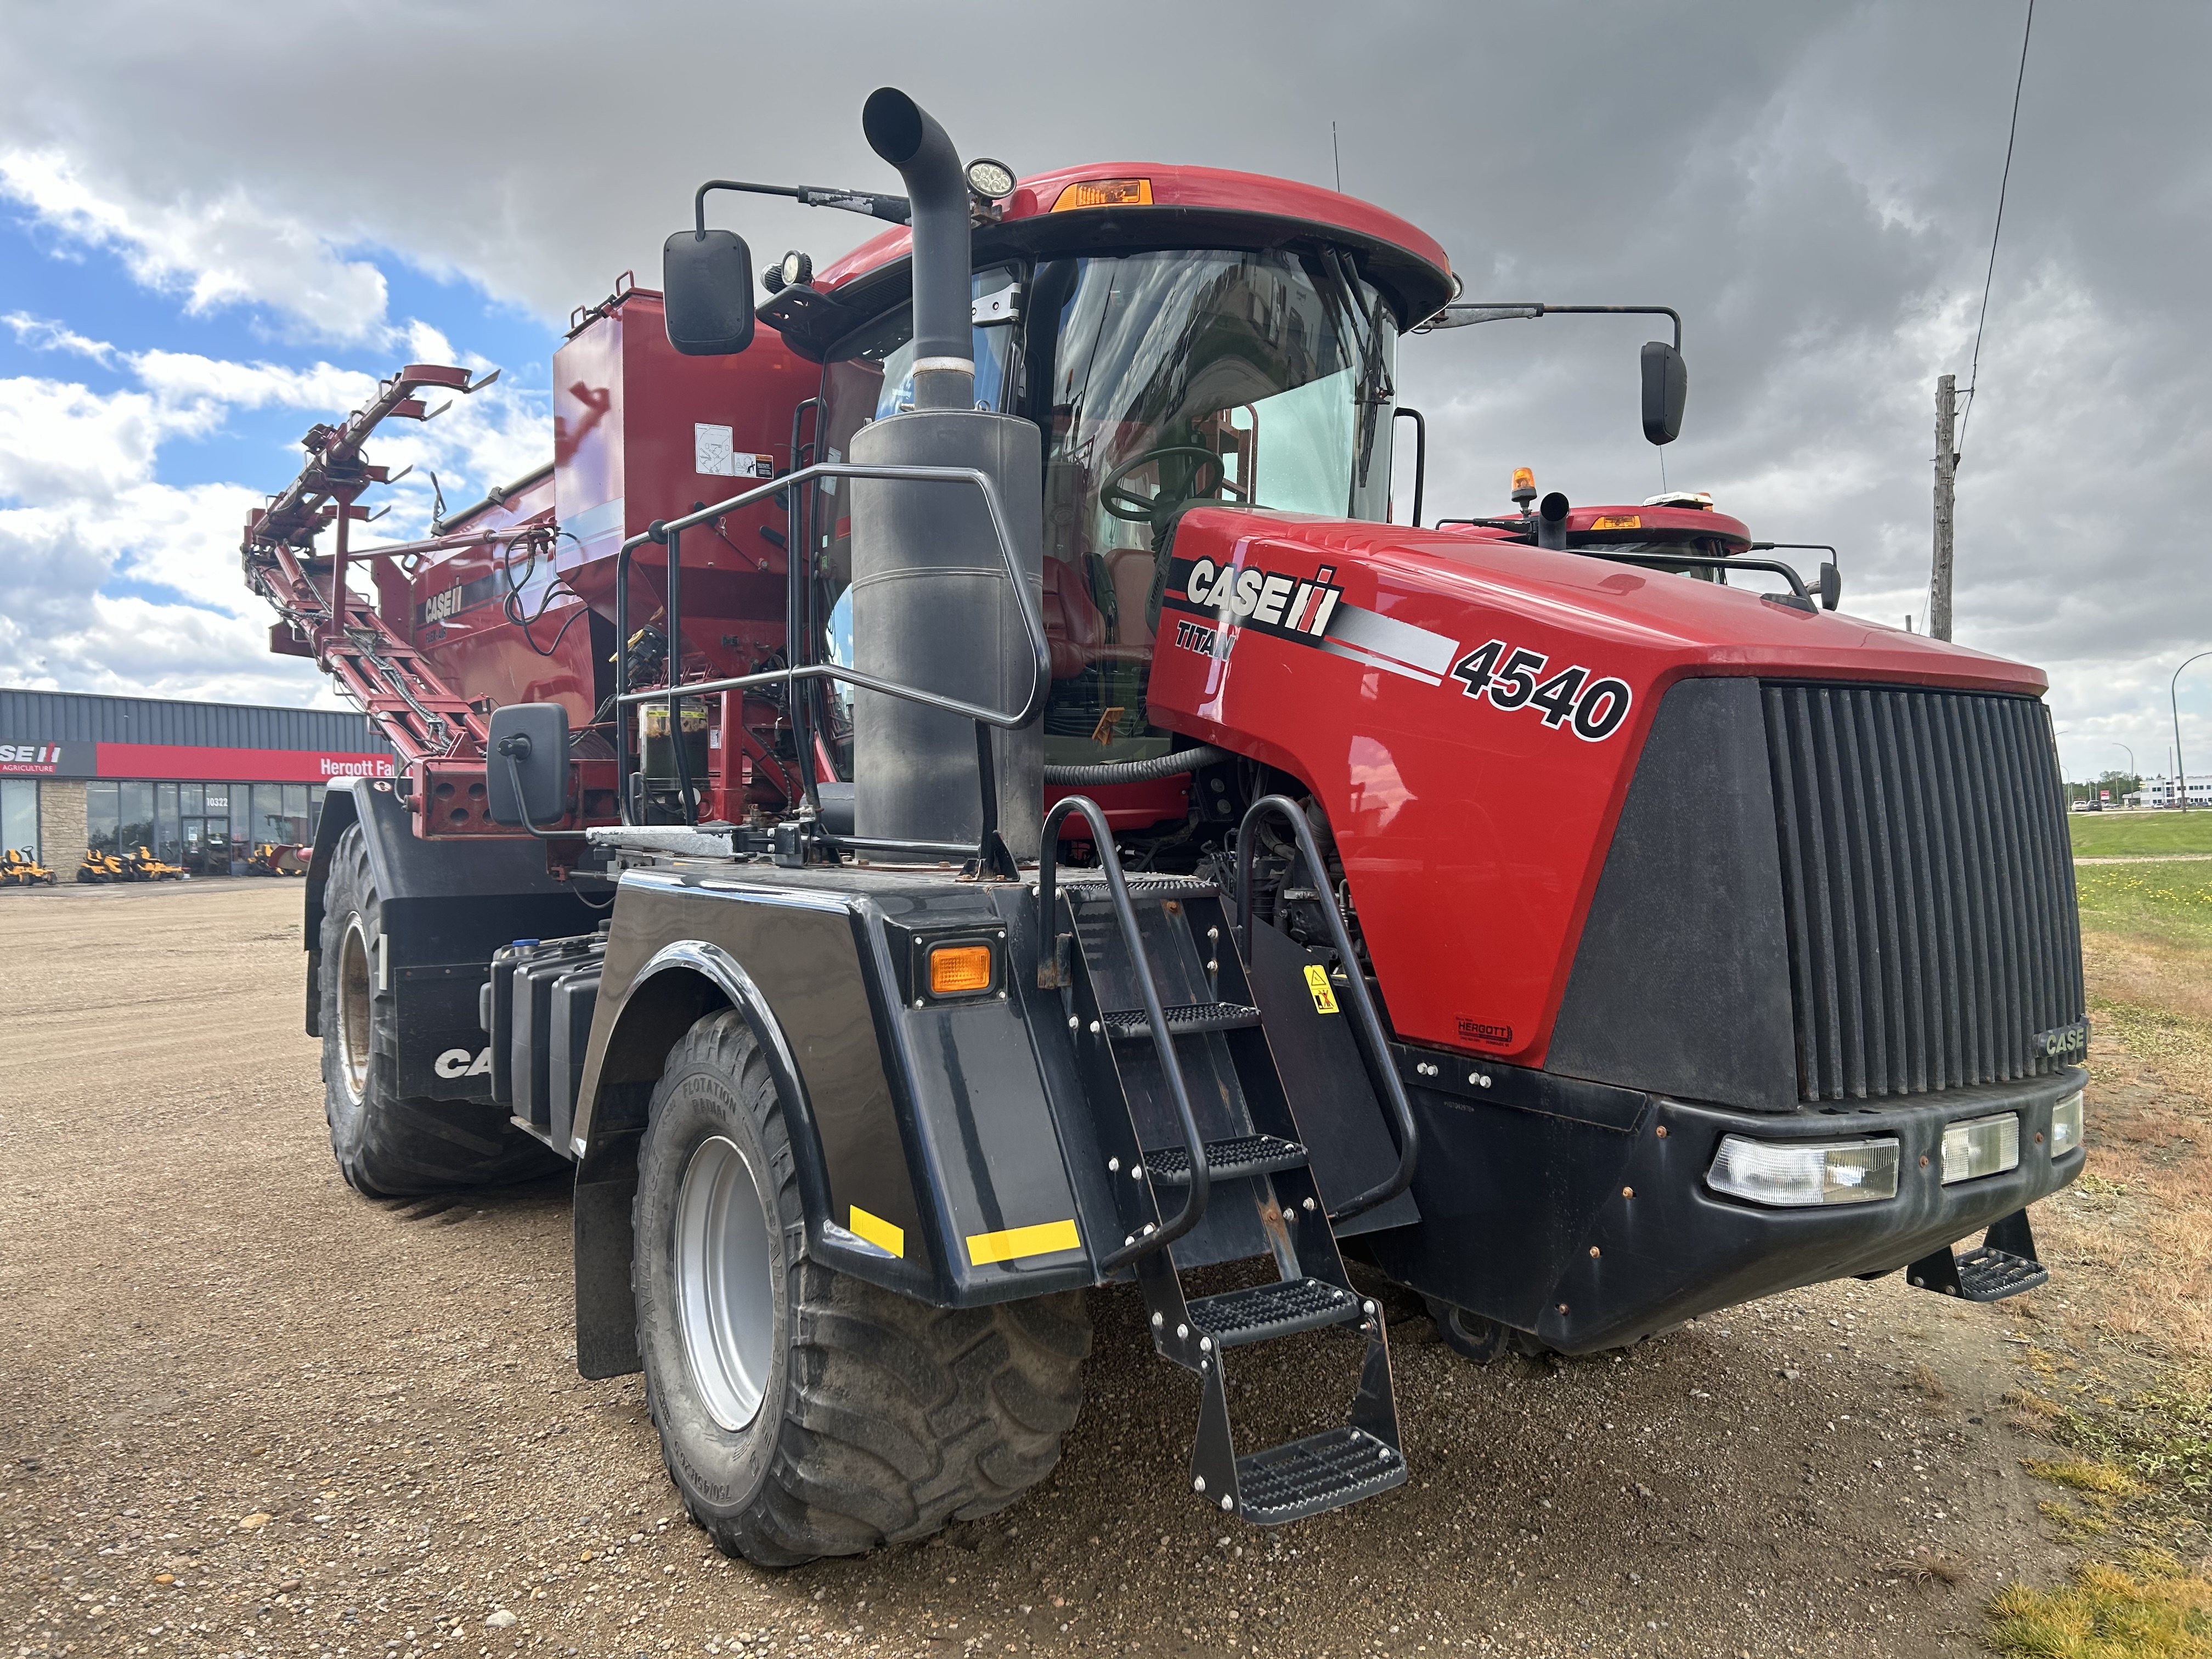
x: 1974, y: 371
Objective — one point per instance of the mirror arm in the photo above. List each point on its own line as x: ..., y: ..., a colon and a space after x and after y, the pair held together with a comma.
x: 1501, y: 310
x: 894, y: 209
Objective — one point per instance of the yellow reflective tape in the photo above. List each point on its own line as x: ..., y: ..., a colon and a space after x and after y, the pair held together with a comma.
x: 878, y: 1231
x: 1016, y: 1242
x: 1324, y: 993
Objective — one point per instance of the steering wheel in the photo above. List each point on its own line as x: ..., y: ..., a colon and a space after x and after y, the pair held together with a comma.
x: 1126, y: 504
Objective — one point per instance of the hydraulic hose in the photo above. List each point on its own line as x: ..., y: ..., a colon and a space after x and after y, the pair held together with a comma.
x: 1139, y: 771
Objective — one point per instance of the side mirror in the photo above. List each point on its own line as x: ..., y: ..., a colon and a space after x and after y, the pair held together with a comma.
x: 1832, y: 588
x: 1666, y: 387
x: 706, y: 289
x: 526, y: 769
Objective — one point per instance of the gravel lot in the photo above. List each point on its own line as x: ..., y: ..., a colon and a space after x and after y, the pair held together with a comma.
x: 243, y: 1410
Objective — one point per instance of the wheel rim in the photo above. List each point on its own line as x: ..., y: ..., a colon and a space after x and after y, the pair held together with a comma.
x: 725, y: 1290
x: 354, y: 996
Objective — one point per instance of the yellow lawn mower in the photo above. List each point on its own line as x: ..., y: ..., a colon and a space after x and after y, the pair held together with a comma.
x: 142, y: 865
x: 102, y: 867
x: 20, y: 869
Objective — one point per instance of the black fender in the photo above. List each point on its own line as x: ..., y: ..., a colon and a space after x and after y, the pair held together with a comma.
x: 690, y: 979
x: 447, y: 905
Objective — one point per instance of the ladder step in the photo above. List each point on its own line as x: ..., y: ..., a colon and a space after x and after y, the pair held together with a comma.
x: 1142, y: 887
x: 1185, y: 1020
x: 1986, y: 1274
x: 1245, y: 1155
x: 1236, y: 1318
x: 1322, y: 1472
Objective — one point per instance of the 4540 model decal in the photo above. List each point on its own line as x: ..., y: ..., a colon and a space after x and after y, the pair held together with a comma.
x: 1234, y: 597
x: 1514, y: 678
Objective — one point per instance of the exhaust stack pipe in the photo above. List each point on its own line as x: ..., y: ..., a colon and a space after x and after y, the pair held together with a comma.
x: 908, y: 138
x: 929, y: 607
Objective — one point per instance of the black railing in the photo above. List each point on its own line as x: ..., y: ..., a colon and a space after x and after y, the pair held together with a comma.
x: 1117, y: 889
x: 795, y: 673
x: 1374, y: 1045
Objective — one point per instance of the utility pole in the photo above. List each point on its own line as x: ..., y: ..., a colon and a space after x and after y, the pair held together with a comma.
x: 1947, y: 464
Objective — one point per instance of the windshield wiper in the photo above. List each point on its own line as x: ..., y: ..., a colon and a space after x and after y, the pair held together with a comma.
x: 1376, y: 389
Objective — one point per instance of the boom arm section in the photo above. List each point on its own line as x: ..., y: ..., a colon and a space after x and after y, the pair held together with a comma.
x: 423, y: 717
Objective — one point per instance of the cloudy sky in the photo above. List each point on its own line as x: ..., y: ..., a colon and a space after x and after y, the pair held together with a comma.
x: 219, y: 221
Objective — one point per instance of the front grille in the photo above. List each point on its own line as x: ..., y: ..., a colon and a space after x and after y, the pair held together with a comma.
x: 1928, y: 886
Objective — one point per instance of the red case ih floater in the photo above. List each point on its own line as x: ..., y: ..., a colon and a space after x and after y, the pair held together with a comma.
x: 970, y: 797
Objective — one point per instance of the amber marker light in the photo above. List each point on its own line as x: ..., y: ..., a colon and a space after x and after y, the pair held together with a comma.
x: 956, y: 967
x: 1104, y: 193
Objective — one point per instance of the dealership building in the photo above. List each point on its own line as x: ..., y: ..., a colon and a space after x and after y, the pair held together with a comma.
x: 199, y: 783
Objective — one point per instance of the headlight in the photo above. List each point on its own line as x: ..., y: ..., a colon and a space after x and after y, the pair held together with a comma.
x: 1804, y: 1173
x: 1981, y: 1147
x: 2066, y: 1125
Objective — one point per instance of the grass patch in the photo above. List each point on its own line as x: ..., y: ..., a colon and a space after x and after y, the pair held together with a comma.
x: 2150, y: 1608
x: 2131, y: 835
x: 2084, y: 1474
x: 2161, y: 1436
x: 2171, y: 902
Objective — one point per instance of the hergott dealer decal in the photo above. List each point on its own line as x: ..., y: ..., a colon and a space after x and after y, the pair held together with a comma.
x: 1313, y: 612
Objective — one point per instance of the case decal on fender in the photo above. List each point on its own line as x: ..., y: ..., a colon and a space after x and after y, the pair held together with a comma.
x: 1234, y: 597
x: 1308, y: 611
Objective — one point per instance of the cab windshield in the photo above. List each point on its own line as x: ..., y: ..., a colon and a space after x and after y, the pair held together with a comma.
x: 1161, y: 380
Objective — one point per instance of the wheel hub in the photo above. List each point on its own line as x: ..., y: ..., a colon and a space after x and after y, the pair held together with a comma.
x: 355, y: 993
x: 724, y: 1254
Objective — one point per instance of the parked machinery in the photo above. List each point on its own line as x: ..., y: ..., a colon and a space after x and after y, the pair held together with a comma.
x: 102, y: 867
x: 980, y: 801
x: 20, y: 869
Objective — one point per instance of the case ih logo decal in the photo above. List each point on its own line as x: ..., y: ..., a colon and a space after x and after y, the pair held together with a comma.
x: 30, y: 757
x: 1309, y: 612
x: 1514, y: 679
x: 1234, y: 597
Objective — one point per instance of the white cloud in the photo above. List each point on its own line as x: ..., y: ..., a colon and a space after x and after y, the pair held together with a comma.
x: 225, y: 250
x: 42, y: 334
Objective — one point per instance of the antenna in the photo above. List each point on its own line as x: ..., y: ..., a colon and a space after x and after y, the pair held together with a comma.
x: 1336, y: 157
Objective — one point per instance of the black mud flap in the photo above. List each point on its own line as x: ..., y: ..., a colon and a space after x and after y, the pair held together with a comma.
x: 2003, y: 1264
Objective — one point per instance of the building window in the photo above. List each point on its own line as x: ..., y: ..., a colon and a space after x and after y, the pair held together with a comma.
x: 296, y: 814
x: 169, y: 843
x: 136, y: 829
x: 101, y: 816
x: 19, y: 815
x: 194, y: 801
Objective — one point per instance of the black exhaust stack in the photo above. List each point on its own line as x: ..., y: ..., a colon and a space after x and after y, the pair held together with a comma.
x: 908, y: 138
x: 930, y: 606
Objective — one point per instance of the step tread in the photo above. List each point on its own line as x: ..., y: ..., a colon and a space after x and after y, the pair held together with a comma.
x: 1242, y: 1155
x: 1237, y: 1318
x: 1988, y: 1274
x: 1141, y: 887
x: 1184, y: 1019
x: 1322, y: 1472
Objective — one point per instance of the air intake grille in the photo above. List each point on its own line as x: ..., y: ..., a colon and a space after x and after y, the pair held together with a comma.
x: 1929, y: 884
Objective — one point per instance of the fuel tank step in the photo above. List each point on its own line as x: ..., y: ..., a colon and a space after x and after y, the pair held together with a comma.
x: 1322, y: 1472
x: 1185, y: 1020
x: 1237, y: 1318
x: 1244, y: 1155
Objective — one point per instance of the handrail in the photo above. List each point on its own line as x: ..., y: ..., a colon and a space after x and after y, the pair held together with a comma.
x: 796, y: 565
x: 1375, y: 1046
x: 1798, y: 591
x: 1101, y: 837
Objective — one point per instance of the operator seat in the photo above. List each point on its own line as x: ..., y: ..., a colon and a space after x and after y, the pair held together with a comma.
x: 1074, y: 627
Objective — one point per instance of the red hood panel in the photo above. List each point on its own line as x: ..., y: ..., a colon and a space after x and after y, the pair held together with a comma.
x: 1469, y: 715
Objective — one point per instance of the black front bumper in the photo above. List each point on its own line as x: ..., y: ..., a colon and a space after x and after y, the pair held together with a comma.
x: 1581, y: 1212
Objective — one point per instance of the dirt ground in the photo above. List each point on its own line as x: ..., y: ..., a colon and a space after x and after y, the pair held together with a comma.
x: 243, y: 1410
